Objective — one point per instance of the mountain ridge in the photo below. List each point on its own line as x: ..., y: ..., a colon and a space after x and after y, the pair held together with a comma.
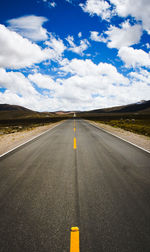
x: 139, y: 107
x: 8, y: 111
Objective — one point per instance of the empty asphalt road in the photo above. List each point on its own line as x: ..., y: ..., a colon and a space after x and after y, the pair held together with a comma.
x: 101, y: 185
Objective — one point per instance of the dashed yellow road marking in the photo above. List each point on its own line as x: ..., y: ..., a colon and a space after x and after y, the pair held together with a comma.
x: 74, y: 240
x: 75, y: 143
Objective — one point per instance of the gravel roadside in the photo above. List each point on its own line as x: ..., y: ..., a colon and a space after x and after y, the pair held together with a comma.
x: 10, y: 141
x: 140, y: 140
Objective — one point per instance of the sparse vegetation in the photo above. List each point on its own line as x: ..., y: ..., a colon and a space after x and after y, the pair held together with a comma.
x: 15, y: 118
x: 134, y: 125
x: 13, y: 126
x: 13, y: 129
x: 134, y: 118
x: 134, y: 122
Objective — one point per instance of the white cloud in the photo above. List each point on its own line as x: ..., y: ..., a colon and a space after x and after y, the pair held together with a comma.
x: 16, y: 83
x: 148, y: 45
x: 17, y: 52
x: 84, y: 44
x: 9, y: 97
x: 42, y: 81
x: 80, y: 34
x: 142, y: 75
x: 38, y: 102
x: 140, y: 10
x: 89, y: 79
x: 88, y: 68
x: 116, y: 37
x: 97, y: 7
x: 56, y: 45
x: 89, y: 86
x: 52, y: 4
x: 19, y: 90
x: 96, y: 37
x: 125, y: 36
x: 134, y: 57
x: 70, y: 40
x: 29, y: 27
x: 97, y: 86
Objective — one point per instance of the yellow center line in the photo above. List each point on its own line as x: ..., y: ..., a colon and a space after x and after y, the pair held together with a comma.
x: 75, y: 143
x: 74, y: 240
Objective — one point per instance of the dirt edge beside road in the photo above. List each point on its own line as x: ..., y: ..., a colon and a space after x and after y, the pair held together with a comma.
x: 140, y: 140
x: 10, y: 141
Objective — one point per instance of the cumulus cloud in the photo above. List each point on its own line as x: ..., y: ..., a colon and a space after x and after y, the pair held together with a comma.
x: 16, y: 82
x: 142, y: 76
x: 19, y: 90
x: 52, y: 4
x: 17, y: 52
x: 88, y: 86
x: 134, y: 57
x: 80, y: 34
x: 95, y: 36
x: 34, y: 102
x: 29, y: 27
x: 84, y: 44
x: 88, y: 80
x: 115, y: 37
x: 148, y: 45
x: 97, y: 7
x: 88, y: 68
x: 56, y: 45
x: 127, y: 35
x: 140, y: 10
x: 97, y: 86
x: 42, y: 81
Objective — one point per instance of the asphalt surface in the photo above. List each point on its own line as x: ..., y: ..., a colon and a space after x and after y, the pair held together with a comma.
x: 103, y: 186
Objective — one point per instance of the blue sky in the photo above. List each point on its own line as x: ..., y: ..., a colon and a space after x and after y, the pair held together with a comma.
x: 74, y: 54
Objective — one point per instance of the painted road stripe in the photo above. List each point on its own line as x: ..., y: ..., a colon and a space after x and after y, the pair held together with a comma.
x: 119, y: 137
x: 74, y: 129
x: 74, y: 240
x: 75, y: 143
x: 29, y: 140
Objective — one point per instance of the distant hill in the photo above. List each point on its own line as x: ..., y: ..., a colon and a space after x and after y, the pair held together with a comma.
x: 7, y: 107
x: 12, y: 112
x: 9, y: 112
x: 15, y: 112
x: 139, y: 107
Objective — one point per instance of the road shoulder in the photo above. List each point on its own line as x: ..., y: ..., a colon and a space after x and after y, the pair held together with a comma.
x: 136, y: 139
x: 11, y: 141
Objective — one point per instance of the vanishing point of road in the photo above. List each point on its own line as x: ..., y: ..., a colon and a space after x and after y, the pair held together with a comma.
x: 75, y: 175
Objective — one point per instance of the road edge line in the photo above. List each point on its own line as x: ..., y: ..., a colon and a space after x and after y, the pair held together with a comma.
x: 7, y: 152
x: 119, y: 137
